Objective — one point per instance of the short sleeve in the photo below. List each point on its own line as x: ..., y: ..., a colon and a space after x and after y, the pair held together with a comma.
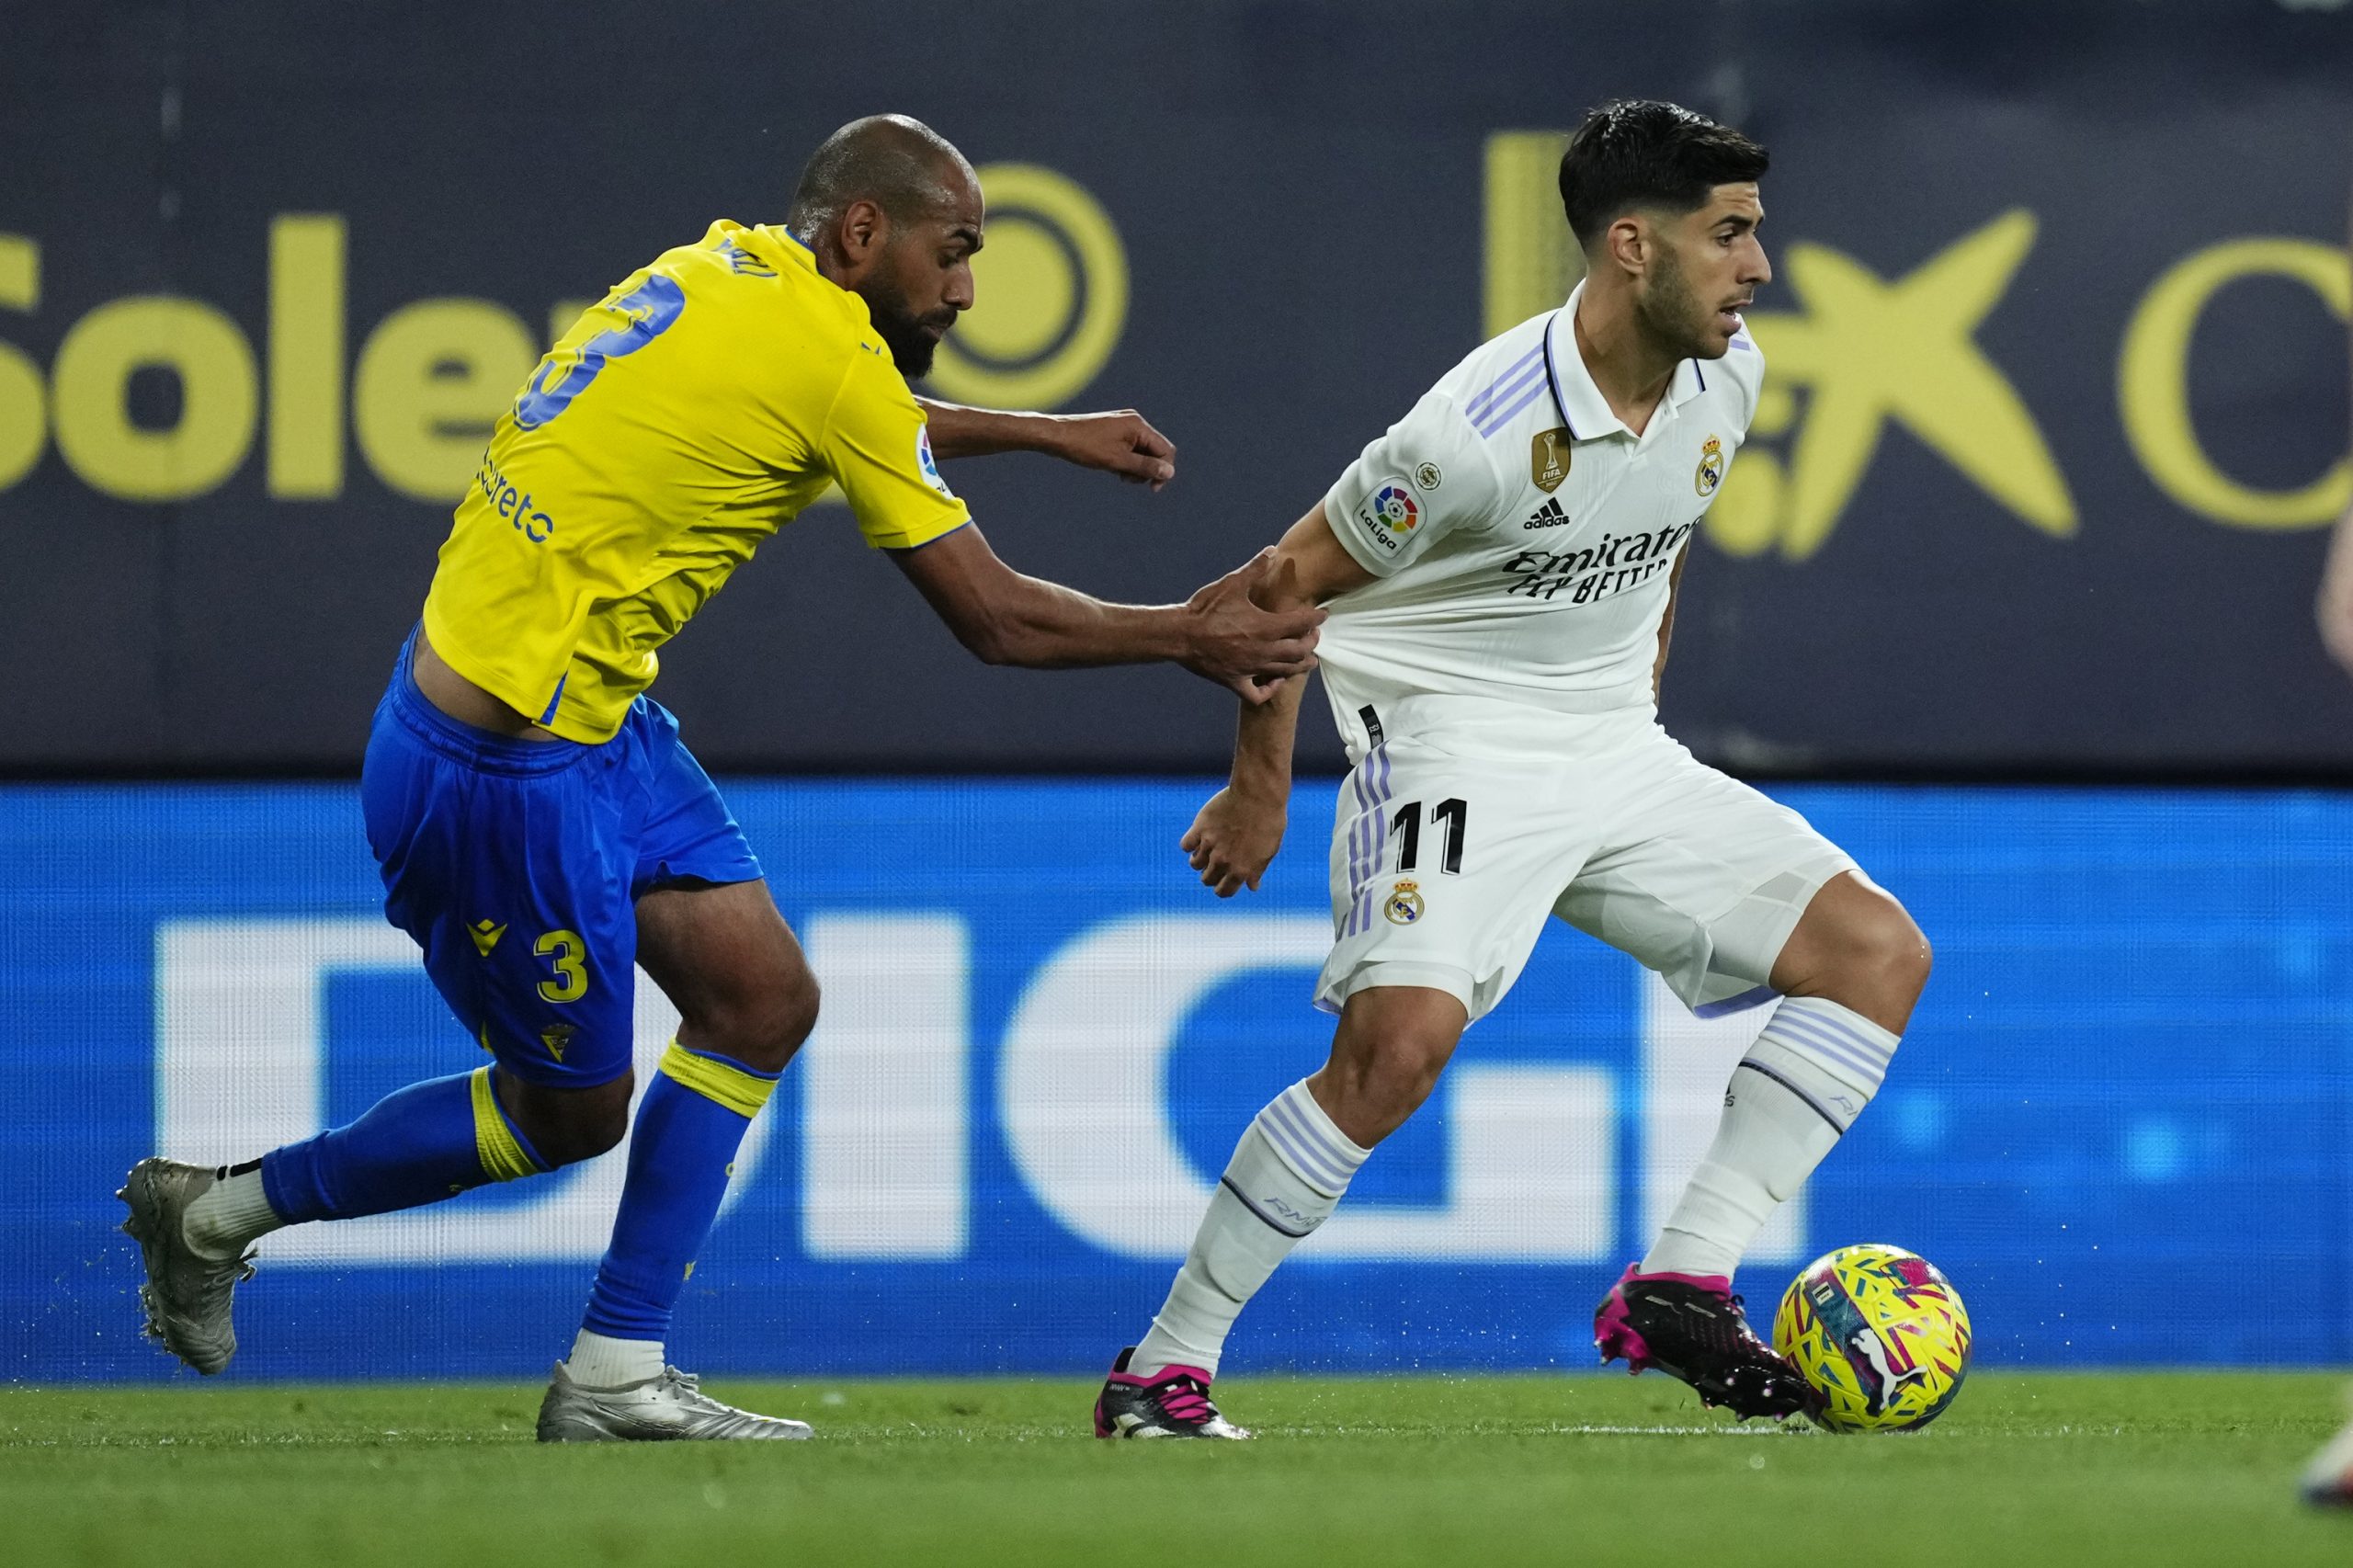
x: 876, y: 446
x: 1427, y: 477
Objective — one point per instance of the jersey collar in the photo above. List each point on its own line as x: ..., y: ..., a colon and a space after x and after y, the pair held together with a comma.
x: 772, y: 244
x: 1581, y: 407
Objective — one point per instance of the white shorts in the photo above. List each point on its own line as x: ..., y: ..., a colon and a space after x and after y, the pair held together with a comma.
x: 1458, y: 834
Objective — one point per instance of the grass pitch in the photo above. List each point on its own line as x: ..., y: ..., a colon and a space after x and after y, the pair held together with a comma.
x: 2161, y: 1469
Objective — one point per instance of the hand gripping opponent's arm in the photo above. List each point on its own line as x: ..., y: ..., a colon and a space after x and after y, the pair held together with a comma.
x: 1006, y: 618
x: 1234, y: 838
x: 1122, y: 441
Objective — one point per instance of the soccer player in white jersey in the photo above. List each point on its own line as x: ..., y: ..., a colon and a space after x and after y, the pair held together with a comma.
x: 1501, y: 571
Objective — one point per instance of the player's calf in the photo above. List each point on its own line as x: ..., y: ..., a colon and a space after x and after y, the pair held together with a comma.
x: 567, y: 1125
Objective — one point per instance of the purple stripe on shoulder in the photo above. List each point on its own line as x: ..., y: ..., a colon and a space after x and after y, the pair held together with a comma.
x: 1496, y: 418
x: 1510, y: 372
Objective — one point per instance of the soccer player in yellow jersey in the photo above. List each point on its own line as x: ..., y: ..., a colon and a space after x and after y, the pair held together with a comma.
x: 540, y: 829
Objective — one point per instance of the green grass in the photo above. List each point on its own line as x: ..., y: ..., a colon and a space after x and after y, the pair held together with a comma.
x: 2147, y: 1470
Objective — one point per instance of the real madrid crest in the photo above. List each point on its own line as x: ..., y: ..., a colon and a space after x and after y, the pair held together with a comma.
x: 1711, y: 468
x: 1405, y: 904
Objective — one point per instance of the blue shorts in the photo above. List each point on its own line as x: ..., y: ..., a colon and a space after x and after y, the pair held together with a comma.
x: 516, y: 865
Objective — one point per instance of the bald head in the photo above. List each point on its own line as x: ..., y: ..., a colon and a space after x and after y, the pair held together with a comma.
x: 901, y: 166
x: 892, y: 212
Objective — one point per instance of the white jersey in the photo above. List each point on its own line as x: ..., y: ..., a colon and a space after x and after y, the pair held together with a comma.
x: 1521, y: 536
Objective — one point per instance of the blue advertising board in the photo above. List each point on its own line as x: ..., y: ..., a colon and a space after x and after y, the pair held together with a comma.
x: 2122, y: 1121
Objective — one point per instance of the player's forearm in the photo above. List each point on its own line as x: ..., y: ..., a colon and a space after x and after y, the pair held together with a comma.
x: 960, y: 432
x: 1263, y: 743
x: 1044, y: 626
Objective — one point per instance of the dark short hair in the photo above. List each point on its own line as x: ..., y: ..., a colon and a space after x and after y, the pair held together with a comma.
x: 1634, y: 153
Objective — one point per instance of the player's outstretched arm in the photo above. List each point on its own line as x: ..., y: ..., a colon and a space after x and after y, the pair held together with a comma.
x: 1234, y: 839
x: 1006, y: 618
x: 1121, y: 441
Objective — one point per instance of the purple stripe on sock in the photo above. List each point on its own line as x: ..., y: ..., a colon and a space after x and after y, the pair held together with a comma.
x: 1297, y: 1143
x: 1847, y: 1031
x: 1333, y: 1144
x: 1811, y: 1044
x: 1825, y: 1052
x: 1283, y: 1133
x: 1833, y: 1030
x: 1300, y: 1144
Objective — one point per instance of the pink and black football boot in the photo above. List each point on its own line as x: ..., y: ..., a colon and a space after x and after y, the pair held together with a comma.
x: 1691, y: 1326
x: 1173, y: 1402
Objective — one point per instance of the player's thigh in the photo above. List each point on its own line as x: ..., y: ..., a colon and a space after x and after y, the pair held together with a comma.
x: 681, y: 830
x: 506, y: 861
x: 733, y: 968
x: 1702, y: 879
x: 1443, y: 868
x: 709, y: 933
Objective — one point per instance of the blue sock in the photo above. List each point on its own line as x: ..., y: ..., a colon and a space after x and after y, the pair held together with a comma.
x: 427, y: 1142
x: 689, y: 1127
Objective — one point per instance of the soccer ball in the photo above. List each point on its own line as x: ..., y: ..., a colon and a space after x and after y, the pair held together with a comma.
x: 1880, y: 1333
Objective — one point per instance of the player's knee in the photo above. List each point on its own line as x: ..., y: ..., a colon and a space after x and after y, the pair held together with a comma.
x: 1896, y: 951
x: 1882, y: 949
x: 763, y: 1028
x: 1388, y: 1083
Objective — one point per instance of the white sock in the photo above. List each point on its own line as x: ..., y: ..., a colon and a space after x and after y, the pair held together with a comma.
x: 230, y: 1215
x: 599, y: 1362
x: 1799, y: 1088
x: 1285, y: 1177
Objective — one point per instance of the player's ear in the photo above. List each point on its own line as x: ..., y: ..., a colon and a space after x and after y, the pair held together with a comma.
x: 864, y: 228
x: 1627, y: 242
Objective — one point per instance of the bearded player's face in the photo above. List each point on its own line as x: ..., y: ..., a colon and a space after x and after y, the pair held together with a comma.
x: 1708, y: 267
x: 923, y: 279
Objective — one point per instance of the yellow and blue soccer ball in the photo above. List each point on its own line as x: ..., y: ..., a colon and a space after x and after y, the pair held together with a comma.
x: 1880, y: 1335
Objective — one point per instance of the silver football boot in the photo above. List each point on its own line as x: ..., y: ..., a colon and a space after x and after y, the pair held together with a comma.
x: 187, y: 1292
x: 668, y: 1408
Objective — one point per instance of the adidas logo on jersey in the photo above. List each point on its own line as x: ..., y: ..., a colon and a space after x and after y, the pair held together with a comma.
x: 1547, y: 516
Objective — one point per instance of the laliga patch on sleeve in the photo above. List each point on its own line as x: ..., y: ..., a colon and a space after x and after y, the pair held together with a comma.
x: 930, y: 465
x: 1389, y: 512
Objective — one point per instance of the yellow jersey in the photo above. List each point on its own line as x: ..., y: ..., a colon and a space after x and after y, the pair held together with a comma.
x: 696, y: 410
